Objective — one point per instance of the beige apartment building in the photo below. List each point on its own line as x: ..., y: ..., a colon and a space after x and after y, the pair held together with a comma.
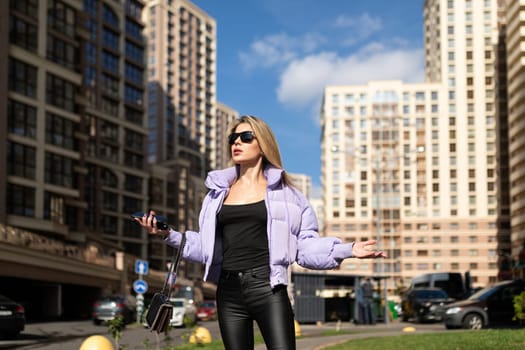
x: 416, y: 165
x: 302, y: 182
x: 516, y: 119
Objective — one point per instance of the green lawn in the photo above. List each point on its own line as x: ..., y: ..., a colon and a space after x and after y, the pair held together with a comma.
x: 498, y: 339
x: 502, y: 339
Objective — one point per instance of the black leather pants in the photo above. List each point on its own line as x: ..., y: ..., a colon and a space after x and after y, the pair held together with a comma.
x: 244, y: 297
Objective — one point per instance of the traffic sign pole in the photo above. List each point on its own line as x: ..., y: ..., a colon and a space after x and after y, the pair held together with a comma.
x: 140, y: 286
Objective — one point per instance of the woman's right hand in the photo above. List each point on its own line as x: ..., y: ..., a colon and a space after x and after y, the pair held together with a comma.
x: 149, y: 222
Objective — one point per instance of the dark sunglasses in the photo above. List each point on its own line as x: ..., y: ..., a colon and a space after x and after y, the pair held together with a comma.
x: 246, y: 137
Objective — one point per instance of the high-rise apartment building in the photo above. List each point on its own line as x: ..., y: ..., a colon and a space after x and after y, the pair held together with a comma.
x: 416, y: 165
x: 225, y: 116
x: 516, y: 75
x: 73, y: 168
x: 463, y: 44
x: 113, y: 71
x: 181, y: 76
x: 181, y: 121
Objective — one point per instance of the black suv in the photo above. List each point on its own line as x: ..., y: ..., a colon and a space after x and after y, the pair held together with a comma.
x: 490, y: 306
x: 424, y: 304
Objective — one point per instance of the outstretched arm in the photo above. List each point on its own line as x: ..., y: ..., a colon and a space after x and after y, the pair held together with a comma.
x: 366, y: 250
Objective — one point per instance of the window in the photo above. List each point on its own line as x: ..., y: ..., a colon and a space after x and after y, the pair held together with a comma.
x: 58, y: 170
x: 109, y: 16
x: 27, y: 7
x: 134, y: 160
x: 22, y: 33
x: 61, y: 17
x: 60, y: 92
x: 21, y: 119
x: 134, y: 52
x: 110, y: 39
x: 133, y: 95
x: 110, y: 62
x: 21, y: 200
x: 110, y: 201
x: 130, y: 203
x: 22, y: 78
x: 60, y: 131
x: 108, y: 225
x: 53, y: 207
x: 61, y: 52
x: 110, y: 106
x: 21, y: 160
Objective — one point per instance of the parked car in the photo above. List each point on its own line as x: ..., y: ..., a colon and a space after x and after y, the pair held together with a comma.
x: 12, y: 318
x: 455, y: 284
x: 490, y: 306
x: 107, y: 308
x: 183, y: 311
x: 207, y: 310
x: 425, y: 304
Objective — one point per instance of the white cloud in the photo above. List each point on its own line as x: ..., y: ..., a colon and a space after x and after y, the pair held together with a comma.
x: 278, y: 49
x: 361, y: 27
x: 303, y: 81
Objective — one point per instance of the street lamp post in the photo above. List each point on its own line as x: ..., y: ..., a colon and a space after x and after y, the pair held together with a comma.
x: 379, y: 225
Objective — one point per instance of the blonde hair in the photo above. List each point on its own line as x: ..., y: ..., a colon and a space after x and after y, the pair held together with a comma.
x: 267, y: 142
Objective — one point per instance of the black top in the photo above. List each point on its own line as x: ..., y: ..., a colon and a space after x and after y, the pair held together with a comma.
x: 244, y: 236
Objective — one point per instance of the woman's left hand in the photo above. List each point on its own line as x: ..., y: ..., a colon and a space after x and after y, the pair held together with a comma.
x: 367, y: 249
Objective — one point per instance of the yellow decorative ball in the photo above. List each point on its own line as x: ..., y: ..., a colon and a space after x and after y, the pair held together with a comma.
x: 297, y: 329
x: 96, y: 342
x: 200, y: 335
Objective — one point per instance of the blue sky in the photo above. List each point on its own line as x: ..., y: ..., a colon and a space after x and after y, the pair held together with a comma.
x: 274, y: 58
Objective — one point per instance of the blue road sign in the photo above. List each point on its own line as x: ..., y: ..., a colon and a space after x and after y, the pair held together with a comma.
x: 141, y: 267
x: 140, y: 286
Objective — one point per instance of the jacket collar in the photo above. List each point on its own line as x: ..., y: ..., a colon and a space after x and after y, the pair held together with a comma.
x: 222, y: 179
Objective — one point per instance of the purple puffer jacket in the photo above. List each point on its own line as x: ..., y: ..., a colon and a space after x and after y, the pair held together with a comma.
x: 292, y: 230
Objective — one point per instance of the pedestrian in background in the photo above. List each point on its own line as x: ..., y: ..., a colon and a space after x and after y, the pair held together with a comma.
x: 367, y: 295
x: 253, y: 225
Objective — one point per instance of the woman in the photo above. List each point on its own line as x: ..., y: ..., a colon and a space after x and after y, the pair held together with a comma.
x: 253, y: 225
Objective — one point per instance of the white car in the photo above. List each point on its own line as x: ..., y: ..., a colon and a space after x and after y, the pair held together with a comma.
x: 182, y: 308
